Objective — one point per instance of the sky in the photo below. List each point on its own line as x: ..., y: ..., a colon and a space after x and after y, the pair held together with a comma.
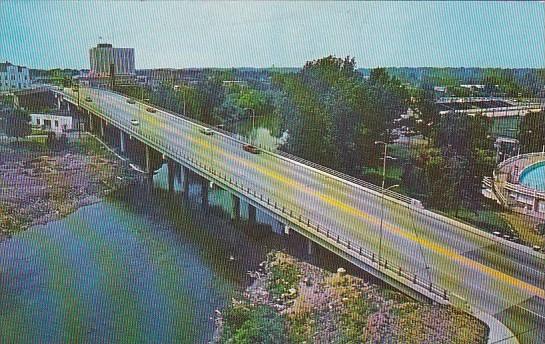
x: 176, y: 34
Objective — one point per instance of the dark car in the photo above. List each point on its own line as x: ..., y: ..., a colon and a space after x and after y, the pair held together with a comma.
x: 250, y: 148
x: 88, y: 99
x: 150, y: 109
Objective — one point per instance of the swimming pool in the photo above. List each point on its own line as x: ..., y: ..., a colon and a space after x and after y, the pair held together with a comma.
x: 534, y: 176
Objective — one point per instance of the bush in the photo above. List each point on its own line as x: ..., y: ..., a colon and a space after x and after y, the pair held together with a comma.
x: 245, y: 324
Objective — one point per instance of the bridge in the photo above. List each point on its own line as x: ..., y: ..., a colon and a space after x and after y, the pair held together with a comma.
x: 418, y: 251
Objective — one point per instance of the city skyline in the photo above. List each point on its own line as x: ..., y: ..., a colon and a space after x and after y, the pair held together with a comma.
x: 233, y: 34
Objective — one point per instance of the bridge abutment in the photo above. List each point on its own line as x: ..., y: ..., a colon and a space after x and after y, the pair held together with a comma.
x: 185, y: 185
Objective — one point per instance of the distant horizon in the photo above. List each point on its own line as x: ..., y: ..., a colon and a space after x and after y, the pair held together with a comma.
x: 182, y: 35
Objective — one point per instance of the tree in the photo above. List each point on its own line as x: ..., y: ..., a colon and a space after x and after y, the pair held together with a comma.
x: 532, y: 132
x: 16, y: 123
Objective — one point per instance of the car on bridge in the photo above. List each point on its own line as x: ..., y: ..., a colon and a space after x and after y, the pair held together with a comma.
x: 150, y: 109
x: 206, y: 131
x: 135, y: 122
x: 251, y: 148
x: 88, y: 99
x: 131, y: 101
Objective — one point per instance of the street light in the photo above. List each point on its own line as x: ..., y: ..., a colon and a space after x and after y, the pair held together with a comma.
x: 253, y: 121
x: 383, y: 190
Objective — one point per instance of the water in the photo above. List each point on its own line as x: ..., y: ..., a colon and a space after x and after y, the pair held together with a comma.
x: 534, y: 176
x: 264, y: 132
x: 144, y: 265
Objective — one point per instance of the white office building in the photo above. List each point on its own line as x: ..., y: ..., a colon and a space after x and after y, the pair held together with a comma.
x: 13, y: 78
x: 104, y: 56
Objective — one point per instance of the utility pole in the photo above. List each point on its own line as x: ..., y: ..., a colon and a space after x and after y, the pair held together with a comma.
x: 383, y: 190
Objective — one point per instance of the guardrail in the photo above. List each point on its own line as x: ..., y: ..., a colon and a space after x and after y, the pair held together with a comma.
x: 330, y: 236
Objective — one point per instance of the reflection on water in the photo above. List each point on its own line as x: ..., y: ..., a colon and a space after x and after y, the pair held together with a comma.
x: 264, y: 131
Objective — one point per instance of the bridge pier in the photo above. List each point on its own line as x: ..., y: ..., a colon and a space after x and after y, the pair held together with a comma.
x: 148, y: 161
x: 204, y: 192
x: 251, y: 214
x: 122, y: 141
x: 310, y: 247
x: 185, y: 186
x: 101, y: 128
x: 91, y: 126
x: 171, y: 168
x: 236, y: 208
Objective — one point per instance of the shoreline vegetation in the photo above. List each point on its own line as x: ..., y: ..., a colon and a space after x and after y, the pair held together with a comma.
x: 291, y: 301
x: 39, y: 184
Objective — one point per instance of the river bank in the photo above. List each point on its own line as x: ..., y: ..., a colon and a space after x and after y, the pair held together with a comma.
x: 295, y: 302
x: 38, y: 185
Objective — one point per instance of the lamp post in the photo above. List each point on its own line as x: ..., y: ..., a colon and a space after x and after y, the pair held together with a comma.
x: 253, y: 121
x: 383, y: 190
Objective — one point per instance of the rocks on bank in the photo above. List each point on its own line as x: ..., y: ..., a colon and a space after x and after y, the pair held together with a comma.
x: 38, y: 184
x: 294, y: 302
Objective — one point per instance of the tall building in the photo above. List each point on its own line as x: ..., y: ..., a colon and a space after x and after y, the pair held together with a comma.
x: 107, y: 60
x: 13, y: 77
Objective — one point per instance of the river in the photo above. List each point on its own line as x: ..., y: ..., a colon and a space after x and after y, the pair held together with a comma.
x: 143, y: 265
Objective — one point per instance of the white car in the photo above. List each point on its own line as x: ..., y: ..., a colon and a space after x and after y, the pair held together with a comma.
x: 135, y: 122
x: 206, y: 131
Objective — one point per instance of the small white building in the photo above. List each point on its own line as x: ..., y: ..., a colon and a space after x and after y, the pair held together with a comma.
x: 54, y: 122
x: 13, y: 77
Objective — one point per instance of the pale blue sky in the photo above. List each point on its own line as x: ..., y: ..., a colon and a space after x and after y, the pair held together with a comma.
x: 51, y: 34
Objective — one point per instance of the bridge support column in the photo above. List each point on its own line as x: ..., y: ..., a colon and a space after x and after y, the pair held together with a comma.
x: 171, y: 167
x: 101, y: 127
x: 310, y: 247
x: 91, y: 126
x: 236, y: 208
x: 185, y: 186
x: 148, y: 161
x: 204, y: 192
x: 251, y: 214
x: 122, y: 140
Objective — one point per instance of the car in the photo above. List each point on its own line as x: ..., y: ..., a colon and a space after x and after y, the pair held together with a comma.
x: 131, y: 101
x: 206, y: 131
x: 251, y: 148
x: 150, y: 109
x: 75, y: 89
x: 88, y: 99
x: 536, y: 248
x: 135, y: 122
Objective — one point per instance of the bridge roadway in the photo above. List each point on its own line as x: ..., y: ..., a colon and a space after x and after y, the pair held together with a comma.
x: 492, y: 276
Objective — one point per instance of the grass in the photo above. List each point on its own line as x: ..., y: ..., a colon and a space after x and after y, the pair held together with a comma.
x: 525, y: 228
x: 285, y: 275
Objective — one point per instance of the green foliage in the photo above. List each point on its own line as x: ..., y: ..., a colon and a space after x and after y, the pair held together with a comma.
x: 532, y: 132
x: 284, y: 276
x: 245, y: 324
x: 16, y: 124
x: 334, y: 116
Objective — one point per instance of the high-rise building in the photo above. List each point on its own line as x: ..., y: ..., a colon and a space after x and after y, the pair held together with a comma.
x: 13, y: 77
x: 108, y: 61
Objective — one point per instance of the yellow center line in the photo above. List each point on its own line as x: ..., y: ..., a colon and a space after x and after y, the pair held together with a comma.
x: 365, y: 216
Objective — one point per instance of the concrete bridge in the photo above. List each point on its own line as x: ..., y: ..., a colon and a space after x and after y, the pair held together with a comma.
x: 420, y: 252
